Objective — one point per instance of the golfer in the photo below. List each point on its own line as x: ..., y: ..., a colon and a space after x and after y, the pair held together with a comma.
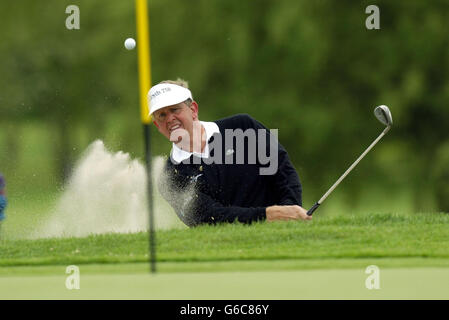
x: 219, y: 171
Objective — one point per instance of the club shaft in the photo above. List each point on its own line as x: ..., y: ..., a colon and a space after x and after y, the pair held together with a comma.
x: 352, y: 166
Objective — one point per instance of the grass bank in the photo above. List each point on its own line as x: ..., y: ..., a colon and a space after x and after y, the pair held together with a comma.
x: 407, y: 240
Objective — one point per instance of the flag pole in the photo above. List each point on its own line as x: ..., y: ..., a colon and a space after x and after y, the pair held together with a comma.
x: 144, y: 67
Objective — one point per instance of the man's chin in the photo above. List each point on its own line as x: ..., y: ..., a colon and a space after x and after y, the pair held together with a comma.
x: 177, y: 135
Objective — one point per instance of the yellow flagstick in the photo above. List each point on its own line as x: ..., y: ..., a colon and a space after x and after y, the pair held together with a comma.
x: 143, y: 53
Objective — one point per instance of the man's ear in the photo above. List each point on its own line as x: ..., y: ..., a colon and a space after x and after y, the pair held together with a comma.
x: 194, y: 108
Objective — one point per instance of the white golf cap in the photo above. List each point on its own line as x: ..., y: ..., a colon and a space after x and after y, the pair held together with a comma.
x: 166, y: 94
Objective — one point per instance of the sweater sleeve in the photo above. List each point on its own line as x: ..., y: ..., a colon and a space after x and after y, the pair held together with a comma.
x: 208, y: 210
x: 194, y: 207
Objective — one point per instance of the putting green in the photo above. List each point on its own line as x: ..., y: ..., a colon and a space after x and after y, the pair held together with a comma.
x: 395, y: 283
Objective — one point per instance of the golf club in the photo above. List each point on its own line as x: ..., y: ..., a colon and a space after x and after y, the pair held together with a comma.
x: 383, y: 114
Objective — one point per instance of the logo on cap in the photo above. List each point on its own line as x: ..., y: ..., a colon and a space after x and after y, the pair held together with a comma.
x: 159, y: 92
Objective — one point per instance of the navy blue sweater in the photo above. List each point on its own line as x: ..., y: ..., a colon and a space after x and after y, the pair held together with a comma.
x: 213, y: 193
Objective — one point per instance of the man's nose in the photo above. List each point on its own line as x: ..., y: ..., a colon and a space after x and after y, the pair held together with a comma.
x: 170, y: 117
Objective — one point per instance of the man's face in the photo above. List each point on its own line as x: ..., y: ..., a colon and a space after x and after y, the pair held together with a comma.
x: 173, y: 121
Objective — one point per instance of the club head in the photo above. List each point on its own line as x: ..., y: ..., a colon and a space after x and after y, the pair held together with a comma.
x: 383, y: 114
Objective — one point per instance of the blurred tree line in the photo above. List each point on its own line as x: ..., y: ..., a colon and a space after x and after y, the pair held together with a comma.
x: 309, y: 68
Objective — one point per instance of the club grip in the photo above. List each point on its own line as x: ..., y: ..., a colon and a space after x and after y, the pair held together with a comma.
x: 314, y: 207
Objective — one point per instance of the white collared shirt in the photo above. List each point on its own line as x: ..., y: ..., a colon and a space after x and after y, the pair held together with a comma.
x: 179, y: 155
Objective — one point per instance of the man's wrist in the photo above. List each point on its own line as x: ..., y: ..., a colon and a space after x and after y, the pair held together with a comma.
x: 270, y: 211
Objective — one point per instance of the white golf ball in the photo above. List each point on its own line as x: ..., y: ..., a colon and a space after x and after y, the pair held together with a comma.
x: 130, y: 43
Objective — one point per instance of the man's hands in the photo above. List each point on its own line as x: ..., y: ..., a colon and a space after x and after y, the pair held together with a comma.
x: 286, y: 213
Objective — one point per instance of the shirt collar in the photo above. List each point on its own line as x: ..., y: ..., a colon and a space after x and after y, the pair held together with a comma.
x: 179, y: 155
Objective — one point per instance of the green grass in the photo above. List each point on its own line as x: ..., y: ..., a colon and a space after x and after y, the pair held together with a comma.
x: 26, y: 212
x: 417, y: 283
x: 322, y: 259
x: 347, y: 241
